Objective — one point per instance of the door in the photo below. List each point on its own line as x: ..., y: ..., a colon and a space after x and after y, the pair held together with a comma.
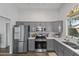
x: 25, y: 46
x: 50, y: 44
x: 60, y: 50
x: 20, y: 46
x: 31, y: 45
x: 15, y: 46
x: 4, y: 34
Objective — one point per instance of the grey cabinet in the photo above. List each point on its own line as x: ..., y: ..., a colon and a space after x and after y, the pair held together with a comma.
x: 69, y: 52
x: 74, y: 54
x: 31, y: 44
x: 50, y: 44
x: 25, y: 46
x: 50, y: 26
x: 62, y: 50
x: 15, y: 46
x: 58, y: 48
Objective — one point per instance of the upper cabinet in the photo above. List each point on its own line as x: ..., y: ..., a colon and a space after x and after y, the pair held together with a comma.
x: 54, y: 26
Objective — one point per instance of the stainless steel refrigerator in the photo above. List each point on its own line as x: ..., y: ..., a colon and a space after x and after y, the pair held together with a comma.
x: 20, y: 36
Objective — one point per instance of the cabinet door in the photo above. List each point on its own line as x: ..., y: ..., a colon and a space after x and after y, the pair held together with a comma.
x: 75, y: 54
x: 31, y: 45
x: 50, y: 44
x: 67, y: 51
x: 54, y: 42
x: 60, y: 50
x: 15, y: 46
x: 25, y: 46
x: 57, y: 48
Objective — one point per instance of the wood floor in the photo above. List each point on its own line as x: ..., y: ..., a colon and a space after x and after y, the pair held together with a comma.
x: 4, y: 50
x: 30, y: 54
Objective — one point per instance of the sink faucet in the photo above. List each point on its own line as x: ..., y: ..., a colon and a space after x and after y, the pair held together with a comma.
x: 66, y: 39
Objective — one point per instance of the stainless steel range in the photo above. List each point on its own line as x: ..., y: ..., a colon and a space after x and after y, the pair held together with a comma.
x: 40, y: 43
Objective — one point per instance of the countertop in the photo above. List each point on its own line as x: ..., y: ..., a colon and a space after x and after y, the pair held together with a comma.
x: 31, y: 38
x: 61, y: 42
x: 46, y: 38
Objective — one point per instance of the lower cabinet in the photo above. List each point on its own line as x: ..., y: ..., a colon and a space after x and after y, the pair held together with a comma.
x: 15, y: 46
x: 50, y: 45
x: 58, y: 48
x: 31, y: 45
x: 68, y: 52
x: 62, y: 50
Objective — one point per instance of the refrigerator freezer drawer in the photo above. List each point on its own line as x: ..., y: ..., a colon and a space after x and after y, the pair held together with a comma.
x: 20, y: 47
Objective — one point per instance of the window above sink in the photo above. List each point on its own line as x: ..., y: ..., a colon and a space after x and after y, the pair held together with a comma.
x: 73, y: 26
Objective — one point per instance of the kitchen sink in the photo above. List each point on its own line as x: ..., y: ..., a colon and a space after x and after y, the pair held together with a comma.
x: 73, y: 45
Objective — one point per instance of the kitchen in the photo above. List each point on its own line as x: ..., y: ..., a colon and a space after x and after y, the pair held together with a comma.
x: 39, y: 29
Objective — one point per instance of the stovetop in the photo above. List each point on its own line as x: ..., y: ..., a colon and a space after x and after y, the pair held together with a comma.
x: 40, y: 37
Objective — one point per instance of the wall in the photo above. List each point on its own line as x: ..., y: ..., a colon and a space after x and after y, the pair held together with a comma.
x: 45, y: 14
x: 38, y: 14
x: 9, y: 11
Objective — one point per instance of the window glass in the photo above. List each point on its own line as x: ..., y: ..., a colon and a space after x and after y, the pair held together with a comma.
x: 73, y: 26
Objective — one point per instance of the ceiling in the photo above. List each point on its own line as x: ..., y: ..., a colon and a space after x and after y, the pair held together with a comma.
x: 39, y: 5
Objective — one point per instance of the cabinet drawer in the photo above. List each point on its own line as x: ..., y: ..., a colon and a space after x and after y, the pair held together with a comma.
x: 20, y: 46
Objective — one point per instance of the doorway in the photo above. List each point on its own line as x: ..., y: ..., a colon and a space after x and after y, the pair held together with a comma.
x: 4, y: 35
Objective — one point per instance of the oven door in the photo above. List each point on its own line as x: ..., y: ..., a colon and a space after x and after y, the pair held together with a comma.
x: 40, y: 46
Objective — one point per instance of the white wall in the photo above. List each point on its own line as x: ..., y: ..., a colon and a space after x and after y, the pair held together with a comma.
x: 46, y: 14
x: 9, y: 11
x: 38, y: 14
